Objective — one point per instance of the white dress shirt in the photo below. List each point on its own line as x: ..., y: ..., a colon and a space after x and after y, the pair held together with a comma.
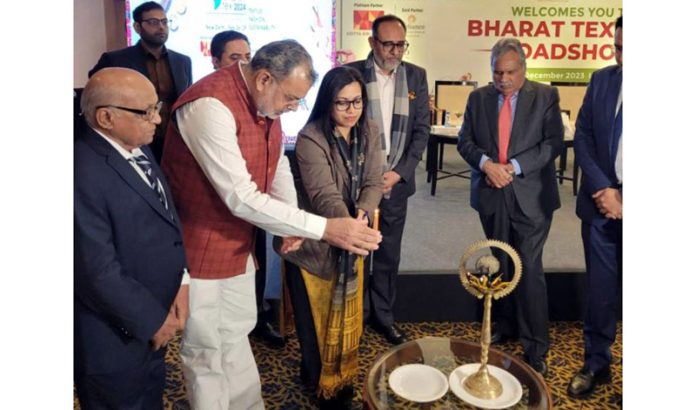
x: 210, y: 132
x: 127, y: 155
x: 618, y: 165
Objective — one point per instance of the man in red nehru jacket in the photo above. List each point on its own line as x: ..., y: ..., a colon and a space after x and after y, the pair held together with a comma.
x: 223, y: 158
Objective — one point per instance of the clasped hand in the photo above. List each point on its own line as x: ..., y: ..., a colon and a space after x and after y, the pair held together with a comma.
x: 609, y: 203
x: 498, y: 175
x: 390, y: 178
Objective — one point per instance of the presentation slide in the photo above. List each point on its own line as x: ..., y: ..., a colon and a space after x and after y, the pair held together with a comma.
x: 195, y: 22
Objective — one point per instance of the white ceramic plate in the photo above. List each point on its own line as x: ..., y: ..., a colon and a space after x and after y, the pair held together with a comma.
x: 418, y: 382
x: 512, y: 389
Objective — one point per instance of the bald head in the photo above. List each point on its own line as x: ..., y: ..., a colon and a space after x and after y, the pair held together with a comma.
x: 113, y: 86
x: 112, y: 100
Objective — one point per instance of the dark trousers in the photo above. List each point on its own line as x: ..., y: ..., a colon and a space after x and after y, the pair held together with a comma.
x: 524, y: 312
x: 310, y: 362
x: 132, y: 389
x: 380, y: 287
x: 603, y: 259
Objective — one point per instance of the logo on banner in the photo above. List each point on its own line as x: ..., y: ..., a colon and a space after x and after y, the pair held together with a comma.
x: 229, y: 5
x: 362, y: 19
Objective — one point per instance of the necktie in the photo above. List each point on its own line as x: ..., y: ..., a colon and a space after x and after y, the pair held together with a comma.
x: 146, y: 166
x: 504, y: 129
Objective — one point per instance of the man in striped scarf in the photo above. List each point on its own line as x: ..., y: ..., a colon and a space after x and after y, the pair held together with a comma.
x: 398, y: 103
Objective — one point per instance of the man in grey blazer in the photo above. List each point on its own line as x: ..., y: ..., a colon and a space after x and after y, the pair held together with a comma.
x: 398, y: 103
x: 511, y: 135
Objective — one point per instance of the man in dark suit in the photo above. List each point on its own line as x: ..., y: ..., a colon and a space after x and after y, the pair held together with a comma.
x: 130, y: 297
x: 398, y: 103
x: 511, y: 135
x: 598, y: 135
x: 169, y: 71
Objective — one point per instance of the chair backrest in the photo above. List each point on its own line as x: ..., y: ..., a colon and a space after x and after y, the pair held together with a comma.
x: 451, y: 96
x: 571, y: 96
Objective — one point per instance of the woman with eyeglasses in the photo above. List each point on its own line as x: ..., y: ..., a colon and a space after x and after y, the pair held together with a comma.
x: 339, y: 158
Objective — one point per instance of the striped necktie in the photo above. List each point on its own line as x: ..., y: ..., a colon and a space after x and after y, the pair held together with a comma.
x: 146, y: 166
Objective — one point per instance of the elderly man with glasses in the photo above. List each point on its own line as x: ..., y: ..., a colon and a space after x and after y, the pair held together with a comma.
x: 131, y: 294
x: 398, y: 103
x: 169, y: 71
x: 224, y: 159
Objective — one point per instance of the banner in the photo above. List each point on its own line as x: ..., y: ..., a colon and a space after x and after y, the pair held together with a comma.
x: 563, y: 41
x: 194, y: 23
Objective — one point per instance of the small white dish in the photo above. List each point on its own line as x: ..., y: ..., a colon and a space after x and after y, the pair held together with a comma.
x: 512, y: 389
x: 419, y: 383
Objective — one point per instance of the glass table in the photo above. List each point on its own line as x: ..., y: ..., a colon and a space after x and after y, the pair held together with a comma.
x: 446, y: 355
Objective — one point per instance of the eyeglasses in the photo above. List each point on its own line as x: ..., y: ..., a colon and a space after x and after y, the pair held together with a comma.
x: 147, y: 115
x: 156, y: 22
x: 618, y: 48
x: 291, y: 99
x: 389, y: 45
x: 342, y: 105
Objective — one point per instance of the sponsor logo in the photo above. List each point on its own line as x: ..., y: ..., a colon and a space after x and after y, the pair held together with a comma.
x: 362, y: 19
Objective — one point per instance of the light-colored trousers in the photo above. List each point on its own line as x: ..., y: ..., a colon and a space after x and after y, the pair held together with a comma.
x: 219, y: 366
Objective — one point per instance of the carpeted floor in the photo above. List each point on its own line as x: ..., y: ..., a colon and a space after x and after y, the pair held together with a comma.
x: 282, y: 389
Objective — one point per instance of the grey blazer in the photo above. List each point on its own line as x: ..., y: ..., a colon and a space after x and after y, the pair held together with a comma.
x: 535, y: 142
x: 418, y: 127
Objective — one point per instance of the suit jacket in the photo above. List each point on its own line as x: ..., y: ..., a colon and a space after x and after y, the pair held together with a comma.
x: 129, y: 259
x: 417, y: 130
x: 536, y: 140
x: 134, y: 57
x: 594, y: 131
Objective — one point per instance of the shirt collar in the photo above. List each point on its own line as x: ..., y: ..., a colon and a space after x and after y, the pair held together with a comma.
x: 122, y: 151
x: 147, y: 52
x: 501, y: 97
x: 385, y: 76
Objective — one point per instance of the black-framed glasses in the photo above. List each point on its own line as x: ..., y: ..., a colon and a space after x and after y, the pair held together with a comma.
x: 342, y: 105
x: 156, y: 22
x: 618, y: 48
x: 389, y: 45
x: 148, y: 115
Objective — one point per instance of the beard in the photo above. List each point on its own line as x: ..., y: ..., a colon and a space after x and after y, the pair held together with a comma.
x: 385, y: 64
x: 154, y: 40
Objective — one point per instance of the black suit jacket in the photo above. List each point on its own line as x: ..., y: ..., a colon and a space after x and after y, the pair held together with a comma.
x: 129, y: 259
x: 418, y: 128
x: 594, y: 134
x: 535, y: 142
x: 134, y: 57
